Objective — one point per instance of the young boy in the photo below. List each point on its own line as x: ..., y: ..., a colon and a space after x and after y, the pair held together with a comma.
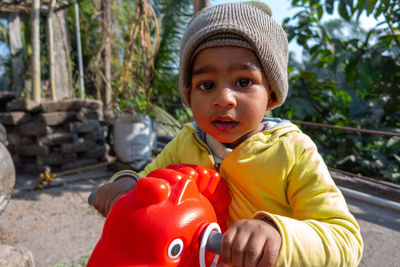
x: 286, y: 209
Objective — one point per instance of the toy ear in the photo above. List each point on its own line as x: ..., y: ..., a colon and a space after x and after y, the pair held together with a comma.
x: 169, y: 175
x: 151, y: 190
x: 186, y: 169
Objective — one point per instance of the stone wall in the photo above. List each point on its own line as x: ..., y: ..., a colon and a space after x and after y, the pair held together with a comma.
x: 55, y: 135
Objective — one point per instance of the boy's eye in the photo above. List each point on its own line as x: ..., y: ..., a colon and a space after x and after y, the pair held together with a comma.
x: 244, y: 82
x: 206, y: 86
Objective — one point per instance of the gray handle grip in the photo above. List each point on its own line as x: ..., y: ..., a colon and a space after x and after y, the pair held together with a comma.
x: 91, y: 198
x: 214, y: 243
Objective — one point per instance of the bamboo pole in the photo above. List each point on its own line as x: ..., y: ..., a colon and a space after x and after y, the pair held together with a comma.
x: 107, y: 52
x: 51, y: 49
x: 36, y: 81
x: 79, y: 46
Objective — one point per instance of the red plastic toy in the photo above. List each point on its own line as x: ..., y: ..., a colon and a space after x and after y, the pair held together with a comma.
x: 165, y: 220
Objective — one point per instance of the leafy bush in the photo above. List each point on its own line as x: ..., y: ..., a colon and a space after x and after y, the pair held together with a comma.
x: 348, y: 80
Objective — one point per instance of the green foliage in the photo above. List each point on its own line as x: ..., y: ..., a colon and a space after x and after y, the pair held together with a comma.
x: 142, y: 41
x: 162, y: 80
x: 173, y: 18
x: 90, y: 27
x: 348, y: 79
x: 3, y: 33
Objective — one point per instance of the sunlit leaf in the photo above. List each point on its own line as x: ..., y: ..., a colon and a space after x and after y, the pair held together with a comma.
x: 329, y: 6
x: 371, y: 6
x: 343, y: 10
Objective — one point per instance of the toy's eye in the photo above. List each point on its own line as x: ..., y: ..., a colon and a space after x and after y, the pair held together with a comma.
x: 175, y: 248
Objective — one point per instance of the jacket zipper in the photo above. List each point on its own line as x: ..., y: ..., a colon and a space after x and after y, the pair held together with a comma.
x: 207, y: 149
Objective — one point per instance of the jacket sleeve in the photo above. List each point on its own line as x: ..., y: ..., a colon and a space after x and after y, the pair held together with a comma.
x: 322, y: 231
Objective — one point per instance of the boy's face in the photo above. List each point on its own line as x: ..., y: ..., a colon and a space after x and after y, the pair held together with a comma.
x: 229, y: 93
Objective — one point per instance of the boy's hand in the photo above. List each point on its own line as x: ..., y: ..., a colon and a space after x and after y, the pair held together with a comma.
x: 107, y: 194
x: 250, y: 243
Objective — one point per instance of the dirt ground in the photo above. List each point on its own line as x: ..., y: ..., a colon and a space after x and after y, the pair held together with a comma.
x: 56, y: 224
x: 61, y: 229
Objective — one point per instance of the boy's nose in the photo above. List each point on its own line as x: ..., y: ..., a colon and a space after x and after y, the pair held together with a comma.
x: 224, y: 97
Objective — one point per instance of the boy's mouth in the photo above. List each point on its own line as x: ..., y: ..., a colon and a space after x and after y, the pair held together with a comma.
x: 224, y: 123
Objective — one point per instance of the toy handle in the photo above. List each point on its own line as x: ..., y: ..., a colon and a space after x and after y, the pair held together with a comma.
x: 214, y: 242
x: 210, y: 239
x: 91, y: 198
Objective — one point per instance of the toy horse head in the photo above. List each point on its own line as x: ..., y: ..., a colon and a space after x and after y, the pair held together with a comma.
x: 159, y: 223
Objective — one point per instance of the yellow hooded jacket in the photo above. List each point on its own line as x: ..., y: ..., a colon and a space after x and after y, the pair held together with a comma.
x: 278, y: 174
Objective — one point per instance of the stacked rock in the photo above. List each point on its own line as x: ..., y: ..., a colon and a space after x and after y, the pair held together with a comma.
x: 54, y: 135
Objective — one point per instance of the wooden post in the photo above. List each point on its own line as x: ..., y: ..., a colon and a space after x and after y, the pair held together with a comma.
x: 36, y: 81
x: 107, y: 52
x: 199, y: 5
x: 62, y: 63
x: 51, y: 49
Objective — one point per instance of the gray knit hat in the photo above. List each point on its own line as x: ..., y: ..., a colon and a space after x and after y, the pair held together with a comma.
x: 245, y: 24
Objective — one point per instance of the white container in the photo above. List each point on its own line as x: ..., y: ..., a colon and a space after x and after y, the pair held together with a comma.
x: 134, y: 138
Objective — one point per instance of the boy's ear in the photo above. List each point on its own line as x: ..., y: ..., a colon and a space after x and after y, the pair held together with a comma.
x: 272, y: 101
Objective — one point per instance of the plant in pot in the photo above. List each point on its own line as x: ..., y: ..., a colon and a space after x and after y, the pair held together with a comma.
x: 134, y: 130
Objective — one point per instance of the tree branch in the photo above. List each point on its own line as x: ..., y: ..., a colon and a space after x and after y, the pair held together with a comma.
x: 396, y: 39
x: 23, y: 6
